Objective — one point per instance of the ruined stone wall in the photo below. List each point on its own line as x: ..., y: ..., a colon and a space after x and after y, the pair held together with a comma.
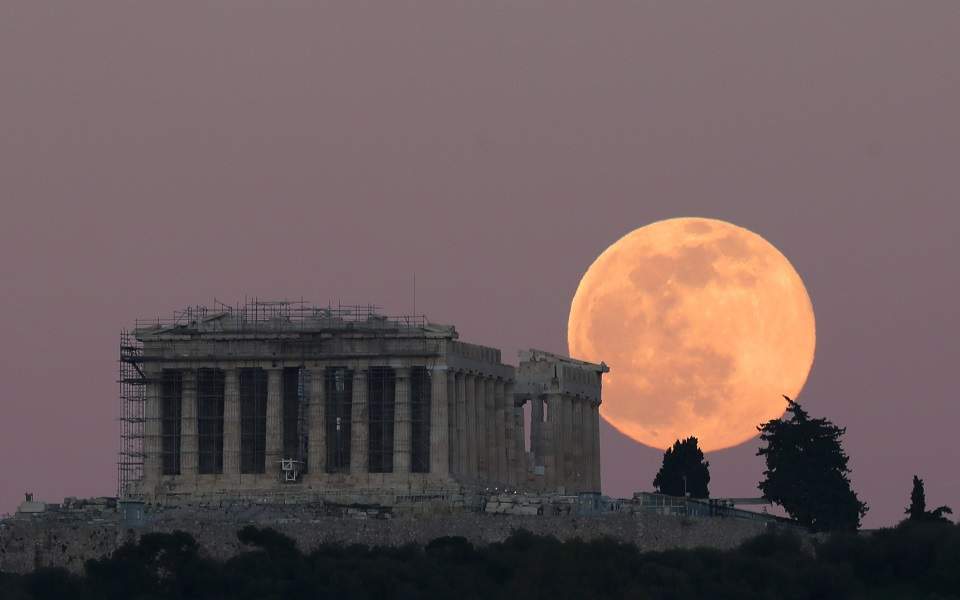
x: 68, y: 541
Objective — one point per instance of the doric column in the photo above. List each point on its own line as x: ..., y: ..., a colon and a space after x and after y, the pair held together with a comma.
x: 579, y: 466
x: 453, y: 439
x: 589, y: 447
x: 586, y: 437
x: 439, y: 425
x: 490, y: 431
x: 558, y: 443
x: 510, y: 433
x: 359, y: 424
x: 402, y: 425
x: 188, y: 426
x: 152, y: 429
x: 274, y: 441
x: 483, y: 461
x: 518, y: 466
x: 462, y: 440
x: 595, y: 458
x: 470, y: 386
x: 568, y: 473
x: 537, y: 431
x: 586, y: 446
x: 231, y: 422
x: 500, y: 434
x: 553, y: 458
x: 484, y: 429
x: 316, y: 421
x: 479, y: 411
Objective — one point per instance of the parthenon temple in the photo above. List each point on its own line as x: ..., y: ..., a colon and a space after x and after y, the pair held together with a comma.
x: 285, y: 399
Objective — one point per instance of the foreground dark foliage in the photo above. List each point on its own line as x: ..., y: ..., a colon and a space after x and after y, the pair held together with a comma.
x: 914, y: 560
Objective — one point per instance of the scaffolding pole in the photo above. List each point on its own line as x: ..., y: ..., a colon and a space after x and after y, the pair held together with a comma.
x: 133, y: 396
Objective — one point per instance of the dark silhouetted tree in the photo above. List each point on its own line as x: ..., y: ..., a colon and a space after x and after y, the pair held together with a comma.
x: 918, y: 500
x: 917, y: 511
x: 807, y: 471
x: 158, y: 565
x: 939, y: 514
x: 684, y: 470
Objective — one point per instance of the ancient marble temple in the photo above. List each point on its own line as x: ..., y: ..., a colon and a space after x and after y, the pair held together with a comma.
x: 284, y: 399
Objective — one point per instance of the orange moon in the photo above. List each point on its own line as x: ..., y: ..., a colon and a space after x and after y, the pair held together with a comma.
x: 704, y: 324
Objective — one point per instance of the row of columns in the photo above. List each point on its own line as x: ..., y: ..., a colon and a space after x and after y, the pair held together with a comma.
x: 485, y: 430
x: 566, y: 442
x: 316, y: 419
x: 476, y: 433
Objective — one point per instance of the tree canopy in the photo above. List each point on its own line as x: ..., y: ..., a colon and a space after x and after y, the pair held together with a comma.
x: 918, y: 500
x: 917, y: 511
x: 684, y: 470
x: 807, y: 472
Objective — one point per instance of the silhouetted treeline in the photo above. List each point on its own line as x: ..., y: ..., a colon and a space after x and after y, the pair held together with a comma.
x: 914, y: 560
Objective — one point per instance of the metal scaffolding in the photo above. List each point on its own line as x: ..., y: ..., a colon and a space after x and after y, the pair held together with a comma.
x: 133, y: 400
x: 262, y: 315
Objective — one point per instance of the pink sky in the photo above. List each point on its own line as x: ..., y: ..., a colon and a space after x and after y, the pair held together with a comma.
x: 154, y: 155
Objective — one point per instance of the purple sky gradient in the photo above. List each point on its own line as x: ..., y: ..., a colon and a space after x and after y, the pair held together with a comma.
x: 155, y: 155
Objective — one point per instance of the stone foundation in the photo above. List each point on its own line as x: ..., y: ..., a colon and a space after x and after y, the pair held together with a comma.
x: 29, y: 542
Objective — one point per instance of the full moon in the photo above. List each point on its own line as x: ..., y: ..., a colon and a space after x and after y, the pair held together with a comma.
x: 705, y: 326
